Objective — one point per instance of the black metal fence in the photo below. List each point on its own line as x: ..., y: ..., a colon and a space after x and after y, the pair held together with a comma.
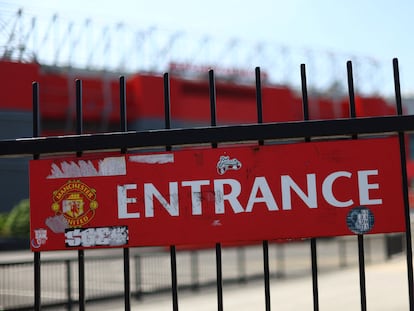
x: 195, y: 270
x: 213, y: 135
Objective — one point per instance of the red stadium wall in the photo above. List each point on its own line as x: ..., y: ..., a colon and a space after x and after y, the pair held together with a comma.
x: 190, y: 103
x: 16, y: 85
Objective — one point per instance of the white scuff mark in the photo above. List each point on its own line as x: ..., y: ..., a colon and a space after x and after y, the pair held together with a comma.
x: 111, y: 166
x: 216, y: 222
x: 153, y: 158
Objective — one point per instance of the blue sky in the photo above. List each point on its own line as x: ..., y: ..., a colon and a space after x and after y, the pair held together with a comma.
x: 380, y: 29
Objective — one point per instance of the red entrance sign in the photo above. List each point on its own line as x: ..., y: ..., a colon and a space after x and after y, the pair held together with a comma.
x: 227, y: 194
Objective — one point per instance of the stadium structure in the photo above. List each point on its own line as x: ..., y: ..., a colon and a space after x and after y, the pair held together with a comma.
x: 55, y: 51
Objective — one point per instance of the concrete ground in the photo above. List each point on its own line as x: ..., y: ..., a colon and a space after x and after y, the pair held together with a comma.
x: 386, y: 287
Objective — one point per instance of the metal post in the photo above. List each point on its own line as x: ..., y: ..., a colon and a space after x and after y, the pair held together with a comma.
x: 219, y: 276
x: 126, y: 256
x: 37, y: 283
x: 81, y: 276
x: 174, y: 287
x: 361, y: 256
x: 265, y: 244
x: 409, y: 251
x: 81, y: 253
x: 313, y: 250
x: 212, y: 92
x: 173, y: 253
x: 266, y: 274
x: 36, y: 258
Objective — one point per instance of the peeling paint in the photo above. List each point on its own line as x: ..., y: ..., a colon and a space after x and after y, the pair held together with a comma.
x: 153, y: 158
x: 57, y: 223
x: 110, y: 166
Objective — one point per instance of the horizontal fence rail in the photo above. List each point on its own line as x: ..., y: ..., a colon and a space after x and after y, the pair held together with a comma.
x: 204, y: 135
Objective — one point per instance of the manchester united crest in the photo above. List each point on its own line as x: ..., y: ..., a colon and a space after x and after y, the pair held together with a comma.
x: 76, y: 202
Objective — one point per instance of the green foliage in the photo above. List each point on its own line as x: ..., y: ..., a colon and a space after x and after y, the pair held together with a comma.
x: 17, y: 222
x: 3, y: 217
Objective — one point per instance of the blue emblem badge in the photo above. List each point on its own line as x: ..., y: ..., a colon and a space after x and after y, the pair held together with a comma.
x: 360, y: 220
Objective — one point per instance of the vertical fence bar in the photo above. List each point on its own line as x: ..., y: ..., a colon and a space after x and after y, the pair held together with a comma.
x: 122, y: 108
x: 36, y: 255
x: 259, y: 101
x: 361, y: 255
x: 219, y: 276
x: 36, y: 113
x: 79, y: 112
x: 174, y: 287
x: 212, y: 96
x: 305, y: 100
x: 213, y: 120
x: 167, y: 105
x: 173, y: 251
x: 81, y: 253
x: 401, y: 137
x: 266, y: 273
x: 265, y: 244
x: 314, y: 258
x: 126, y: 255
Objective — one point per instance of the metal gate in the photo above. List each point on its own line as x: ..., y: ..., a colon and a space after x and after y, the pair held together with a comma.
x: 213, y: 135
